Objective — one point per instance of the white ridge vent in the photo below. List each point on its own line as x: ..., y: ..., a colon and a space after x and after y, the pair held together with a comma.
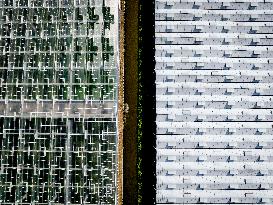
x: 214, y: 68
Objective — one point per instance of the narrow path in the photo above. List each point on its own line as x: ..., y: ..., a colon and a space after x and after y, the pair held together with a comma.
x: 130, y: 97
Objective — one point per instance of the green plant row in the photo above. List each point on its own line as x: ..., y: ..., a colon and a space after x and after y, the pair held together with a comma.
x: 140, y: 114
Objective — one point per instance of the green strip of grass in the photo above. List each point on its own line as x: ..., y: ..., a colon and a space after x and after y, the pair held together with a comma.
x: 140, y: 115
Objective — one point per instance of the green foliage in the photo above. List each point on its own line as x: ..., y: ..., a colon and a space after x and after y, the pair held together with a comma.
x: 139, y: 118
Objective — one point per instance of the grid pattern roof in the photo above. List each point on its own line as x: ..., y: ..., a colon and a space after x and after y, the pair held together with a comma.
x: 214, y: 103
x: 58, y: 101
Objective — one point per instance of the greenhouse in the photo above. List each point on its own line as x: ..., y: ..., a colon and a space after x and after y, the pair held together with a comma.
x: 58, y: 101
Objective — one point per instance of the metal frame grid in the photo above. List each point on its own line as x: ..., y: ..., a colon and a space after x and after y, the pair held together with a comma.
x: 58, y: 101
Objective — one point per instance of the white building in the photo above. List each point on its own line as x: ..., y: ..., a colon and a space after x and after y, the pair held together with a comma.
x: 214, y: 83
